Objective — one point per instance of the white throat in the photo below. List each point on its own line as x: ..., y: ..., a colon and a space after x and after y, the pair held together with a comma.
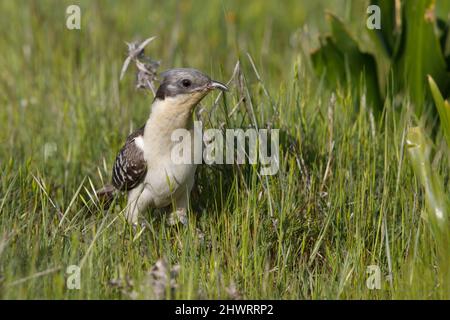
x: 166, y: 116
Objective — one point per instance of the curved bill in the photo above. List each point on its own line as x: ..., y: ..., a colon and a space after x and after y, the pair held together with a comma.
x: 217, y: 85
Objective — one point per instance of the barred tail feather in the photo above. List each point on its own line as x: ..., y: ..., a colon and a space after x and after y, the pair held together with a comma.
x: 106, y: 194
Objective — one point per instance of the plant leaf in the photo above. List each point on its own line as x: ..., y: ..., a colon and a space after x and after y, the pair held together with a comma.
x: 422, y: 54
x: 419, y: 149
x: 443, y: 107
x: 389, y: 36
x: 341, y: 59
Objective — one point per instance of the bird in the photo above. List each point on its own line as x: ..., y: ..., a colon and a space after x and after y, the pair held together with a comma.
x: 143, y: 167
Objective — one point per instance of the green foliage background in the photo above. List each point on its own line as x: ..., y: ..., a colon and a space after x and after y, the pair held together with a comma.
x: 346, y: 196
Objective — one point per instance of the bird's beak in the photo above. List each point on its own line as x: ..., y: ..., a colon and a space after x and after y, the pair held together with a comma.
x: 217, y: 85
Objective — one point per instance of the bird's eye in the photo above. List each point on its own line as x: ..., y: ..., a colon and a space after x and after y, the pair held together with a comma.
x: 186, y: 83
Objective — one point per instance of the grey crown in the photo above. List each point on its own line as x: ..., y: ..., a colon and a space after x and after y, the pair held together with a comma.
x: 181, y: 80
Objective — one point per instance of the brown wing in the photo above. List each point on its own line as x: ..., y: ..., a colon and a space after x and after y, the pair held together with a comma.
x: 130, y: 167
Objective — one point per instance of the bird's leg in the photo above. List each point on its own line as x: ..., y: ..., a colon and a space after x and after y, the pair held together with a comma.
x: 136, y: 203
x: 179, y: 213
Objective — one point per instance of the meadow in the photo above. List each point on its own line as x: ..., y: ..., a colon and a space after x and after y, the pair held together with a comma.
x: 345, y: 203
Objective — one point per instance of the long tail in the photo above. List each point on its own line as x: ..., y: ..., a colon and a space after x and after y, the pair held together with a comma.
x: 106, y: 194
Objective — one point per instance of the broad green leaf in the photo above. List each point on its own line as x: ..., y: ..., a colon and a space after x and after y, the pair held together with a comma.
x: 419, y: 149
x: 422, y: 54
x: 341, y: 36
x: 343, y: 62
x: 436, y: 200
x: 328, y: 60
x: 389, y: 36
x: 443, y: 107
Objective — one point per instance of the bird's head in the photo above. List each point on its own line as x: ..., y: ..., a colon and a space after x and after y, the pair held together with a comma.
x: 185, y: 87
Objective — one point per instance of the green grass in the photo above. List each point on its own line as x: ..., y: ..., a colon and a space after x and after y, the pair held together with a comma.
x: 345, y: 199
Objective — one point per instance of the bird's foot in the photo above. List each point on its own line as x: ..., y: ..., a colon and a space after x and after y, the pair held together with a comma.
x: 132, y: 217
x: 177, y: 216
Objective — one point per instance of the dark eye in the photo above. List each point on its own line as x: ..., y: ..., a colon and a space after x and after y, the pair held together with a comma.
x: 186, y: 83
